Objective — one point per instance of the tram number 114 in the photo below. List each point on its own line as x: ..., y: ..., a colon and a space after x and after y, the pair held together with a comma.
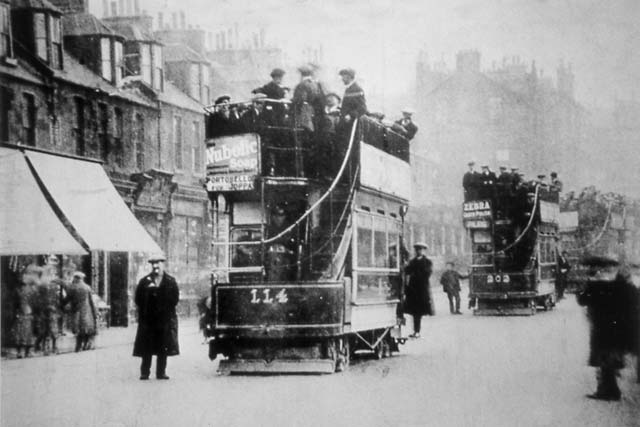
x: 265, y: 297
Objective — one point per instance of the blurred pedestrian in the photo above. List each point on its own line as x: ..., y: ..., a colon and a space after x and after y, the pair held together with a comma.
x: 84, y: 316
x: 156, y: 297
x: 450, y: 281
x: 51, y: 294
x: 23, y: 325
x: 612, y: 310
x: 418, y: 292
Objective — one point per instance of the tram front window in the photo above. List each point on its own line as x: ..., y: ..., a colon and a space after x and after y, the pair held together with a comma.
x: 247, y: 255
x: 482, y: 247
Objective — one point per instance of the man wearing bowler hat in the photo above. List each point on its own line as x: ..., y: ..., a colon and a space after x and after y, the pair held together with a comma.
x: 156, y: 298
x: 418, y: 293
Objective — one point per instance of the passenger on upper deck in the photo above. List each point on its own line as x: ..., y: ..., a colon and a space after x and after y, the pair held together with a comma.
x: 470, y: 182
x: 308, y: 100
x: 405, y: 125
x: 273, y: 89
x: 354, y: 104
x: 332, y: 113
x: 556, y: 184
x: 223, y: 121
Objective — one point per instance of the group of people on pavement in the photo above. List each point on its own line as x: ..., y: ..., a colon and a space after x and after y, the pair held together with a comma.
x: 42, y: 302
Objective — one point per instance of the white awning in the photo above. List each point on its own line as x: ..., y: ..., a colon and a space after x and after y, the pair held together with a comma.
x: 87, y: 198
x: 28, y: 224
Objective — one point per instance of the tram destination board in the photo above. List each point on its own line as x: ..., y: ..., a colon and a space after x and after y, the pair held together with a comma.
x: 477, y: 214
x: 233, y: 163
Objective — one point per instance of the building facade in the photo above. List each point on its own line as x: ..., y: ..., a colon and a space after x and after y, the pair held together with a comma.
x: 71, y: 83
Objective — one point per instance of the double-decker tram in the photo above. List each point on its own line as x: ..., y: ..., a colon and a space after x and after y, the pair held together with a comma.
x: 513, y: 227
x: 307, y: 231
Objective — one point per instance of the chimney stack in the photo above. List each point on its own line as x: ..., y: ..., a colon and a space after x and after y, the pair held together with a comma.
x: 121, y: 8
x: 136, y: 7
x: 174, y: 20
x: 183, y: 21
x: 114, y: 8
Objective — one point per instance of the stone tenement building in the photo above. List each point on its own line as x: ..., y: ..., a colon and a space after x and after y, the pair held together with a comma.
x: 511, y: 114
x: 74, y: 84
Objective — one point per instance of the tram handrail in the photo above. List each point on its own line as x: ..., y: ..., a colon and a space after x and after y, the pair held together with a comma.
x: 314, y: 206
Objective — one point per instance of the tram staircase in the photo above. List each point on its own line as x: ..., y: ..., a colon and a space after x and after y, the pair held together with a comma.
x: 330, y: 239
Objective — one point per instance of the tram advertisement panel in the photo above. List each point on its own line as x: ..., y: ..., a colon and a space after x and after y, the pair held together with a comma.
x: 233, y: 162
x: 477, y: 214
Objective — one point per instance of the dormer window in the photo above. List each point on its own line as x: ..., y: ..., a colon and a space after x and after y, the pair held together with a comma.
x: 5, y: 32
x: 157, y: 67
x: 48, y: 38
x: 145, y: 62
x: 106, y: 58
x: 111, y: 60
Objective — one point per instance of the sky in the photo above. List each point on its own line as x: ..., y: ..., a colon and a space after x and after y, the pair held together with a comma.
x: 381, y: 38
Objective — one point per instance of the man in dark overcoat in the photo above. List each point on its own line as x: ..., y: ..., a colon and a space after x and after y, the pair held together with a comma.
x: 612, y: 310
x: 418, y: 292
x: 563, y: 271
x: 156, y: 298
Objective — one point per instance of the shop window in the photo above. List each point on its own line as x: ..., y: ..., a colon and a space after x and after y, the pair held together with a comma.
x: 29, y: 119
x: 177, y: 141
x: 40, y: 34
x: 105, y: 55
x: 246, y: 255
x: 79, y: 125
x: 145, y: 63
x: 139, y: 145
x: 118, y: 135
x: 157, y: 68
x: 103, y: 130
x: 6, y: 49
x: 196, y: 149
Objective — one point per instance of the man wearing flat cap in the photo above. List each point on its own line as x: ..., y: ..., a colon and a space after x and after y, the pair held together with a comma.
x: 308, y: 100
x: 354, y: 104
x: 418, y: 292
x: 405, y: 125
x: 273, y: 89
x: 156, y: 298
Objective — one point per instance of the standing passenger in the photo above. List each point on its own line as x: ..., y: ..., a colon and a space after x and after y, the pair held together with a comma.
x: 418, y: 292
x: 157, y: 295
x: 470, y: 183
x: 354, y: 104
x: 308, y: 100
x: 273, y: 89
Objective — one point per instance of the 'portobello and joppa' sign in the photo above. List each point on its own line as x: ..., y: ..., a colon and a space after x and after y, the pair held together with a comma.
x: 233, y: 163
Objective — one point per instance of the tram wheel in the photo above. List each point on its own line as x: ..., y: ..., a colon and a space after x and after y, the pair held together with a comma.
x: 533, y: 305
x: 548, y: 303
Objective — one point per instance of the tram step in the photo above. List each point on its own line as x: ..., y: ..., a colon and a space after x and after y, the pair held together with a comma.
x: 278, y: 366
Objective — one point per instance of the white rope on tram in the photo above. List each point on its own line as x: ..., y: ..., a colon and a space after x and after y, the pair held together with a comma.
x: 313, y: 207
x: 526, y: 229
x: 605, y: 226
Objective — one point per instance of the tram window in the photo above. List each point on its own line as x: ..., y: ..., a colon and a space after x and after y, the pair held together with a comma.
x: 365, y: 208
x: 481, y: 237
x: 374, y: 287
x: 381, y: 258
x: 364, y: 246
x: 393, y: 250
x: 245, y: 255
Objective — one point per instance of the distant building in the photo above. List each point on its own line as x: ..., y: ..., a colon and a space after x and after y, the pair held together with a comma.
x: 510, y: 114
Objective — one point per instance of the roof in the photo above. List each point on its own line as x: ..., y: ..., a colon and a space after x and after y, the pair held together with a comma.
x: 132, y: 31
x: 21, y: 71
x: 34, y: 4
x: 178, y: 52
x: 83, y: 24
x: 76, y: 73
x: 174, y: 96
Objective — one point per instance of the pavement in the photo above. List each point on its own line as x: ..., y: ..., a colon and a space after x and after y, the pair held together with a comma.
x: 465, y: 371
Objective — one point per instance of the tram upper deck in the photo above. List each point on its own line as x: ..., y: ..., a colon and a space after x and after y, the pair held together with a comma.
x: 270, y: 129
